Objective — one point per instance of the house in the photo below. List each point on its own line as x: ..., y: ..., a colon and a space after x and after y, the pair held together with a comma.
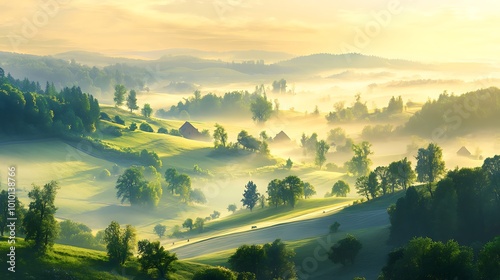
x: 464, y: 152
x: 281, y: 137
x: 189, y: 131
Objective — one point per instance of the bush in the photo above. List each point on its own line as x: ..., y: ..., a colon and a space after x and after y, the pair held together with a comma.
x: 133, y: 126
x: 119, y: 120
x: 345, y: 250
x: 104, y: 116
x: 146, y: 127
x: 162, y: 130
x: 175, y: 132
x: 113, y: 131
x: 334, y: 227
x: 215, y: 273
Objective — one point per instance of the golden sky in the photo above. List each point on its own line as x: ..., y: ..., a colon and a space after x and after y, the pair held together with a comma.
x: 417, y: 30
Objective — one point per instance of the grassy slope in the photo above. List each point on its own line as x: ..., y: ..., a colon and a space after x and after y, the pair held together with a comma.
x: 311, y: 260
x: 67, y: 262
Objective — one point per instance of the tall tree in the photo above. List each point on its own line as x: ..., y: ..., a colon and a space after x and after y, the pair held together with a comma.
x: 293, y: 189
x: 372, y: 184
x: 188, y: 223
x: 261, y: 109
x: 430, y: 165
x: 308, y: 190
x: 383, y: 177
x: 362, y: 186
x: 340, y: 188
x: 321, y: 150
x: 132, y: 100
x: 199, y: 224
x: 119, y: 97
x: 40, y: 224
x: 147, y: 111
x: 345, y: 250
x: 250, y: 195
x: 220, y: 136
x: 130, y: 185
x: 160, y: 230
x: 119, y: 242
x: 359, y: 165
x: 275, y: 192
x: 154, y: 256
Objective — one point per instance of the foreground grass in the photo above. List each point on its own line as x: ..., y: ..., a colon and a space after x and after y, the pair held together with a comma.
x: 68, y: 262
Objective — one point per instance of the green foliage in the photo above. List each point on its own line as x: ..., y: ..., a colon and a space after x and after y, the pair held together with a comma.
x: 289, y: 164
x: 199, y: 224
x: 488, y: 260
x: 362, y: 186
x: 373, y: 185
x: 119, y: 242
x: 250, y: 195
x: 395, y: 105
x: 162, y: 130
x: 321, y: 150
x: 286, y: 191
x: 160, y: 230
x: 400, y: 174
x: 345, y: 250
x: 202, y: 172
x: 423, y: 258
x: 271, y: 261
x: 309, y: 143
x: 430, y: 164
x: 248, y: 141
x: 334, y: 227
x: 215, y: 215
x: 261, y: 109
x: 132, y: 101
x: 133, y: 126
x: 150, y: 158
x: 119, y: 120
x: 147, y: 111
x: 145, y: 127
x: 188, y: 223
x: 197, y: 196
x: 215, y: 273
x: 133, y: 187
x: 337, y: 136
x: 104, y: 116
x: 175, y: 132
x: 153, y: 256
x: 340, y: 188
x: 377, y: 132
x: 232, y: 208
x: 5, y: 212
x: 178, y: 183
x: 39, y: 223
x: 360, y: 164
x: 77, y: 234
x: 220, y: 136
x: 308, y: 190
x: 358, y: 111
x: 119, y: 95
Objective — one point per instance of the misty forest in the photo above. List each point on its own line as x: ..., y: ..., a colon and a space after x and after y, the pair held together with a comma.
x: 231, y: 162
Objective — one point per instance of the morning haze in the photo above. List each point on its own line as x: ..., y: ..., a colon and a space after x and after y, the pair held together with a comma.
x: 237, y: 139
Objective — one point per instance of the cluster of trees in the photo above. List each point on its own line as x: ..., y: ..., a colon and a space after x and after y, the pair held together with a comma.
x: 245, y: 141
x: 235, y: 103
x: 337, y: 137
x: 131, y: 101
x: 377, y: 132
x: 311, y: 144
x: 456, y: 115
x: 465, y: 206
x: 270, y: 261
x: 423, y: 258
x: 359, y: 110
x: 78, y: 234
x: 279, y: 86
x: 198, y: 223
x: 180, y: 184
x: 69, y: 111
x: 345, y: 250
x: 139, y: 186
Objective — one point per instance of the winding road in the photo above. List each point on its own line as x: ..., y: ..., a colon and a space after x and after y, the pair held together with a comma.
x: 349, y: 220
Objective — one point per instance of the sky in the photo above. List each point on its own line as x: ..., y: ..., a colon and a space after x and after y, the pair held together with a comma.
x: 448, y: 30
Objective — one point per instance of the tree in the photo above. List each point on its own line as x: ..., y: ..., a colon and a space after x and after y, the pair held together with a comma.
x: 132, y: 101
x: 130, y: 185
x: 160, y: 230
x: 232, y: 208
x: 250, y: 195
x: 423, y: 258
x: 362, y: 186
x: 321, y: 150
x: 220, y: 136
x: 199, y: 223
x: 289, y: 164
x: 197, y: 196
x: 372, y: 184
x: 430, y: 165
x: 383, y: 177
x: 147, y: 111
x: 6, y: 211
x: 359, y: 165
x: 39, y: 223
x: 154, y: 256
x: 119, y: 97
x: 248, y: 258
x: 345, y: 250
x: 262, y: 201
x: 215, y: 215
x: 178, y: 183
x: 340, y: 188
x: 188, y: 223
x: 308, y: 190
x: 275, y: 192
x: 119, y: 242
x: 292, y: 189
x: 248, y: 141
x: 261, y: 109
x: 133, y: 126
x: 488, y: 260
x: 215, y: 273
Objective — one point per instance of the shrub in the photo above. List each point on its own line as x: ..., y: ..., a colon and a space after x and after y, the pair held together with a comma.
x: 162, y: 130
x: 104, y: 116
x: 113, y: 131
x: 119, y: 120
x: 133, y: 126
x: 175, y: 132
x: 334, y: 227
x: 146, y: 127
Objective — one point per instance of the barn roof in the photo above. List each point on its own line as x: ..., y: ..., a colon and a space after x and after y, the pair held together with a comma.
x: 463, y: 151
x: 281, y: 136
